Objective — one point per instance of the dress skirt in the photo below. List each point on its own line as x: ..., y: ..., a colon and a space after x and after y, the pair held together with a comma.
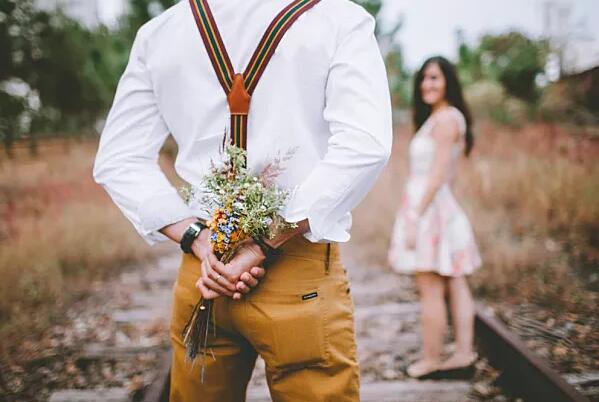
x: 445, y: 242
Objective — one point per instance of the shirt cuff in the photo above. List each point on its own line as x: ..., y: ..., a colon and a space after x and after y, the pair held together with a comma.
x: 322, y: 230
x: 336, y: 232
x: 159, y: 211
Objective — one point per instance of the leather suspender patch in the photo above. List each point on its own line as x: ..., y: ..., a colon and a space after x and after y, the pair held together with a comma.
x: 240, y: 87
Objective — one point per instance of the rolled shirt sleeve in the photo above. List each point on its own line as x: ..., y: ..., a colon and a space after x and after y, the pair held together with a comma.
x: 358, y: 111
x: 126, y: 164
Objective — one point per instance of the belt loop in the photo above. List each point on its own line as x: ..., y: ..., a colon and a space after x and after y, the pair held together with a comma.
x: 328, y: 259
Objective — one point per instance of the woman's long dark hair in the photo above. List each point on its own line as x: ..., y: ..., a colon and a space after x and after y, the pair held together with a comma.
x: 453, y: 95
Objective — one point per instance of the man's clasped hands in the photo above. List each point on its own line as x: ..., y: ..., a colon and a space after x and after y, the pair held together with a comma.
x: 234, y: 279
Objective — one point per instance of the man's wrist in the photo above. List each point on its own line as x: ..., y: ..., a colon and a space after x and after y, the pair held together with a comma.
x: 302, y: 227
x: 201, y: 246
x: 175, y: 231
x: 193, y: 231
x: 270, y: 253
x: 255, y: 247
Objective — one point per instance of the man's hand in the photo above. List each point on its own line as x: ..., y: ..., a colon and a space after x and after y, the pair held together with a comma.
x: 231, y: 280
x: 244, y: 270
x: 249, y: 280
x: 209, y: 284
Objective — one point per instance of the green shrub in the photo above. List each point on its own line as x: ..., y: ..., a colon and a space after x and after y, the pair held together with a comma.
x: 488, y: 100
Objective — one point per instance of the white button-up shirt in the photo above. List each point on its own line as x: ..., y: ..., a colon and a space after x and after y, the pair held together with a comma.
x: 324, y: 93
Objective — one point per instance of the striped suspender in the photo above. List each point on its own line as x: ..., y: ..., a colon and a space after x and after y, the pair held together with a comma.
x: 240, y: 87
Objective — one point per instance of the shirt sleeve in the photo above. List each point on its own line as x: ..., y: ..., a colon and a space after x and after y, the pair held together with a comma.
x: 358, y: 110
x: 126, y: 164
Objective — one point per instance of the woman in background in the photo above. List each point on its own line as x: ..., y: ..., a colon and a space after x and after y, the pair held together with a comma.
x: 432, y: 237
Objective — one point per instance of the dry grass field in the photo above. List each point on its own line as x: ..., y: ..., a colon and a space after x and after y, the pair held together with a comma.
x: 59, y: 236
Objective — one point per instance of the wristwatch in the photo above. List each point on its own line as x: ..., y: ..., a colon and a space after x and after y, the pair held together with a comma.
x: 192, y: 233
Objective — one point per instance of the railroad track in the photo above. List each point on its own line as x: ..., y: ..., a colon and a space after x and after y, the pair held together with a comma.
x: 386, y: 328
x: 523, y: 373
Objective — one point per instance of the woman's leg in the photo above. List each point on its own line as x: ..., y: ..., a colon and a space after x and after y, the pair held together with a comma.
x: 462, y: 315
x: 433, y: 320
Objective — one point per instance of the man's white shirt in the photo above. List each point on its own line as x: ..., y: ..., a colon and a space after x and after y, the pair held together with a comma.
x: 324, y: 94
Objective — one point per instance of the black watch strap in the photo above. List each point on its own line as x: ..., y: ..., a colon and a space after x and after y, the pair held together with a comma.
x: 192, y: 233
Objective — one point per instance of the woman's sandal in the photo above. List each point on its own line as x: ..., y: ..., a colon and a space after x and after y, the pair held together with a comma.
x: 458, y: 373
x: 425, y: 376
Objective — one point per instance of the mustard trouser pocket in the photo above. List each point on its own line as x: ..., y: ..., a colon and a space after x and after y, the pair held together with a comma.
x: 298, y: 332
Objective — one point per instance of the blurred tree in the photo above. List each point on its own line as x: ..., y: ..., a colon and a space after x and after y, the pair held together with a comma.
x: 74, y: 74
x: 17, y: 46
x: 55, y: 75
x: 512, y: 59
x: 469, y: 62
x: 516, y: 61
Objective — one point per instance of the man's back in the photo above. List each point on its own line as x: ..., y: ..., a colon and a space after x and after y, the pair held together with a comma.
x: 326, y: 77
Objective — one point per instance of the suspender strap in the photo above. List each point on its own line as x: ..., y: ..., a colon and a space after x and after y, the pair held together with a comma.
x: 271, y: 39
x: 240, y: 87
x: 214, y: 43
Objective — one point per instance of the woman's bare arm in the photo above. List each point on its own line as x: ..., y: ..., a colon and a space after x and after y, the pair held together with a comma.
x: 445, y: 133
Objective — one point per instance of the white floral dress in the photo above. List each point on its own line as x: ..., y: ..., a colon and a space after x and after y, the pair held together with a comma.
x: 445, y: 242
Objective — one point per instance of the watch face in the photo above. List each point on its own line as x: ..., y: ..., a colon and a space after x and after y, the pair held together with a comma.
x: 196, y: 229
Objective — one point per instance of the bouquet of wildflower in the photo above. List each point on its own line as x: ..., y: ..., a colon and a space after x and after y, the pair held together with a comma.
x: 242, y: 206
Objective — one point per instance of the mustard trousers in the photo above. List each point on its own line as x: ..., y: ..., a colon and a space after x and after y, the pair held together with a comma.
x: 299, y: 320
